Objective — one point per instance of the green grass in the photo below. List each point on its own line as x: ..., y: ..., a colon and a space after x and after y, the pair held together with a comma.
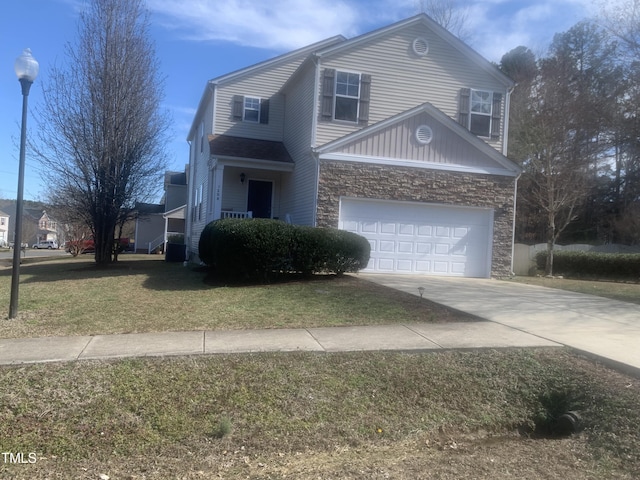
x: 143, y: 293
x: 305, y: 415
x: 626, y: 292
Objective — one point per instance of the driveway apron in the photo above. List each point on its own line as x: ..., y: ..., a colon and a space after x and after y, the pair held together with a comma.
x: 606, y: 328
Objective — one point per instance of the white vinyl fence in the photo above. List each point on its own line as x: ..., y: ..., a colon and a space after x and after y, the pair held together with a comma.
x: 524, y: 256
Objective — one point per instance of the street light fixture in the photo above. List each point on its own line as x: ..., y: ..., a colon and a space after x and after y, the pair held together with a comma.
x: 26, y: 69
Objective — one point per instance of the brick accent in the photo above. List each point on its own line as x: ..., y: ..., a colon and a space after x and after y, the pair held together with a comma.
x: 362, y: 180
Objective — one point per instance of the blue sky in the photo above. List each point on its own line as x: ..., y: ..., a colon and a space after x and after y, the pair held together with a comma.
x: 197, y: 40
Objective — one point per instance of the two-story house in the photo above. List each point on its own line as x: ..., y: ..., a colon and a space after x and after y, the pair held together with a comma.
x: 399, y: 135
x: 156, y: 223
x: 4, y: 229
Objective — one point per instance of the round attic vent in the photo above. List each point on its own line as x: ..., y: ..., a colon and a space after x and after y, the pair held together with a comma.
x: 420, y: 46
x: 424, y: 134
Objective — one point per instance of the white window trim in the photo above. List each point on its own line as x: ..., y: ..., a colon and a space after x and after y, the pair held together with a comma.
x: 472, y: 113
x: 336, y: 95
x: 244, y: 109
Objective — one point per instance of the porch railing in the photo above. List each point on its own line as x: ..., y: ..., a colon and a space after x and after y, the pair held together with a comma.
x: 231, y: 214
x: 155, y: 243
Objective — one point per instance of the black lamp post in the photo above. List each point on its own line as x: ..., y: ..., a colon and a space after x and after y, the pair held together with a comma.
x: 26, y: 69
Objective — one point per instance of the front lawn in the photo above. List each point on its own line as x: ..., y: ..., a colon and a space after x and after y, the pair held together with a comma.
x: 142, y: 293
x: 445, y: 415
x: 624, y: 291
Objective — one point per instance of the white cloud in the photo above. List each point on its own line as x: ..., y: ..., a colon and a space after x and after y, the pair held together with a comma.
x: 501, y: 25
x: 274, y: 25
x: 495, y: 26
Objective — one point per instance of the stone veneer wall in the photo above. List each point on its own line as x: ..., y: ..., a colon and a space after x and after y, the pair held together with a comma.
x: 362, y: 180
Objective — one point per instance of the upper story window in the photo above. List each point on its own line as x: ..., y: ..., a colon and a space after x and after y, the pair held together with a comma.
x: 345, y: 96
x: 251, y: 109
x: 480, y: 122
x: 480, y: 112
x: 2, y: 220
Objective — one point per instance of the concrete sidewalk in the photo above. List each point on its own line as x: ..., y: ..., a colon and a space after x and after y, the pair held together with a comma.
x: 409, y: 337
x: 608, y: 329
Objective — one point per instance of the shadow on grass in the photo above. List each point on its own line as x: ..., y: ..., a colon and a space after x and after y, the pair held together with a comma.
x: 159, y: 275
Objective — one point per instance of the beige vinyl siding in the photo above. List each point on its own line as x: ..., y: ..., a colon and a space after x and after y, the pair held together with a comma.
x: 402, y: 80
x: 299, y: 187
x: 235, y: 194
x: 199, y: 176
x: 265, y: 85
x: 399, y: 142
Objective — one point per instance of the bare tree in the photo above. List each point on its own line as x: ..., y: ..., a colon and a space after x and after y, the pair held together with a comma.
x: 448, y: 14
x: 101, y: 132
x: 560, y: 129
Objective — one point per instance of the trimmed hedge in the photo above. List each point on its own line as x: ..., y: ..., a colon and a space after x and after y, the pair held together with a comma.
x: 612, y: 266
x: 260, y: 249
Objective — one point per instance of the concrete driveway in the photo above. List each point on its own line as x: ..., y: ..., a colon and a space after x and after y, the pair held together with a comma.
x: 607, y: 328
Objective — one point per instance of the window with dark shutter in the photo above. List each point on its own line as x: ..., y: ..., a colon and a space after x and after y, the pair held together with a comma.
x: 251, y: 109
x: 264, y: 111
x: 365, y: 98
x: 495, y: 115
x: 238, y: 107
x: 463, y: 115
x: 328, y: 81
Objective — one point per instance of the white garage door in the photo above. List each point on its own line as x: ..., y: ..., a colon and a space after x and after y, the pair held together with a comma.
x: 421, y: 238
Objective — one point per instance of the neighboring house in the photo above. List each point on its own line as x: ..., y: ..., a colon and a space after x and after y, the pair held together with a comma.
x: 156, y: 223
x: 4, y: 229
x: 37, y: 225
x: 398, y: 135
x: 47, y: 229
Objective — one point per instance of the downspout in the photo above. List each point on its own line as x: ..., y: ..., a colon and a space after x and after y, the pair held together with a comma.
x: 505, y: 149
x: 188, y: 223
x: 507, y: 112
x: 513, y: 228
x: 314, y: 127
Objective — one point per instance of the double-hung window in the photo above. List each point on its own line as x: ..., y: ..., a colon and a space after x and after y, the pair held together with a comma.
x: 481, y: 113
x: 251, y: 109
x: 347, y: 96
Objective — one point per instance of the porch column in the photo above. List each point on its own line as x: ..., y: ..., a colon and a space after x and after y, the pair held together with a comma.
x: 218, y: 173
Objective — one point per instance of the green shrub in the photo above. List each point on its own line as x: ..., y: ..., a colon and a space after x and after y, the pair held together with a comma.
x: 246, y: 249
x: 593, y: 264
x: 259, y: 249
x: 345, y: 251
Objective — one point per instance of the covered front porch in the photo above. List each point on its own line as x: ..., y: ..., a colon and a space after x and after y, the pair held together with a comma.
x: 247, y: 178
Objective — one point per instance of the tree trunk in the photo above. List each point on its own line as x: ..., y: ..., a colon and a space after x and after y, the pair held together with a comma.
x: 551, y: 242
x: 103, y: 242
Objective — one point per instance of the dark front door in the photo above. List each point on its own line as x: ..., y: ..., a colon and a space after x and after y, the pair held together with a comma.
x: 259, y: 201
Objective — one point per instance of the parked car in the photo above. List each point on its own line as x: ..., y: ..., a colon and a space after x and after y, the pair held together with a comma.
x: 47, y: 244
x: 24, y: 245
x: 86, y: 245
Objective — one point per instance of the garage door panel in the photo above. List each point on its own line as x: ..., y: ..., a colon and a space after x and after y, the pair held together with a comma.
x: 369, y: 227
x: 405, y: 247
x: 421, y: 238
x: 423, y: 248
x: 425, y: 231
x: 406, y: 229
x: 387, y: 246
x: 388, y: 228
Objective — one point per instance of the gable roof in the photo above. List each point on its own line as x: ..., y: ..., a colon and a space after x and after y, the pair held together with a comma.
x: 437, y: 29
x: 303, y: 53
x: 503, y: 165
